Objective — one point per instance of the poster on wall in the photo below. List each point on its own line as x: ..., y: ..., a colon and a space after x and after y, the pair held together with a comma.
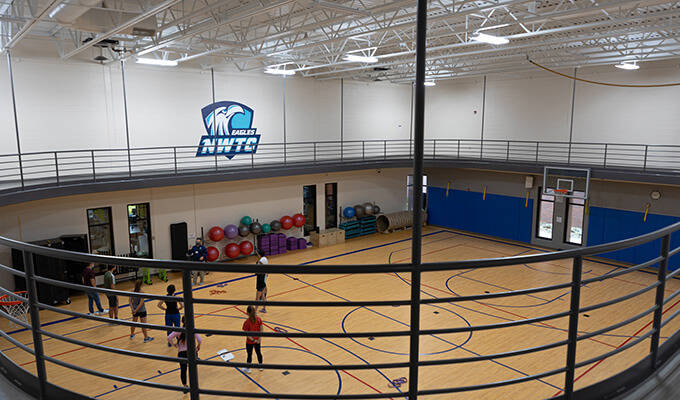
x: 229, y: 127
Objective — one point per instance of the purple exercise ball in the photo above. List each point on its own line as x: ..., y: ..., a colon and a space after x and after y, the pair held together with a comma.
x: 231, y: 231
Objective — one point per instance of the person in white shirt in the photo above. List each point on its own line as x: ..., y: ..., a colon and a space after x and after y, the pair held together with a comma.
x: 261, y: 284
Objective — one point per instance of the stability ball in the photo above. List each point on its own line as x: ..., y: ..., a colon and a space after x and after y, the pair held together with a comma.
x: 286, y: 222
x: 266, y: 228
x: 348, y: 212
x: 246, y: 220
x: 213, y: 254
x: 376, y: 209
x: 368, y: 208
x: 216, y: 234
x: 233, y: 250
x: 231, y: 231
x: 246, y: 248
x: 275, y: 225
x: 256, y: 228
x: 243, y: 230
x: 298, y: 220
x: 359, y: 210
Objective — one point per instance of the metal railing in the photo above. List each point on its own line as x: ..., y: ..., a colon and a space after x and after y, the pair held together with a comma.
x: 57, y: 168
x: 570, y: 342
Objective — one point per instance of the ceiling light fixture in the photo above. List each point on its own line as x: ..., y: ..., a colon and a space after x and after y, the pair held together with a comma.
x: 484, y: 38
x: 276, y: 71
x: 361, y: 59
x: 429, y: 83
x: 155, y: 61
x: 627, y: 65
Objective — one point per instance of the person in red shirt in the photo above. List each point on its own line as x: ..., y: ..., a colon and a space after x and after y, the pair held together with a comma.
x: 253, y: 324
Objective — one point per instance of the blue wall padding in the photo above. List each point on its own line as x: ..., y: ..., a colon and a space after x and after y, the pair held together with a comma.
x: 507, y: 217
x: 497, y: 215
x: 607, y: 225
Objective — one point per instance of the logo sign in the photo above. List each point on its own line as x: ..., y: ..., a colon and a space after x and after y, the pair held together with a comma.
x: 230, y: 130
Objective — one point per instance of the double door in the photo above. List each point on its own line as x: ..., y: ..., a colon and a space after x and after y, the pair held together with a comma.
x: 560, y: 222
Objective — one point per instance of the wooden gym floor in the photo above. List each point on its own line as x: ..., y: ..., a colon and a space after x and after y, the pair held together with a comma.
x: 438, y: 245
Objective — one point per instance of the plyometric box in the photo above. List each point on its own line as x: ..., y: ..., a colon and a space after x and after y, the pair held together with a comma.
x: 327, y: 237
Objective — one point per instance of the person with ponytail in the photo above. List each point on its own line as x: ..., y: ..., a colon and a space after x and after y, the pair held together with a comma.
x: 181, y: 345
x: 253, y: 324
x: 172, y: 309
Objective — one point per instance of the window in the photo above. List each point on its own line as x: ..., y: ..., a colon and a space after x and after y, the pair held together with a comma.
x: 100, y: 230
x: 139, y: 226
x: 331, y: 205
x: 546, y: 214
x: 576, y: 210
x: 409, y: 192
x: 309, y: 207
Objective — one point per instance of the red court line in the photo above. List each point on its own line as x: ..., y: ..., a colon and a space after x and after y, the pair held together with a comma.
x: 502, y: 310
x: 431, y: 252
x: 619, y: 346
x: 309, y: 351
x: 568, y: 268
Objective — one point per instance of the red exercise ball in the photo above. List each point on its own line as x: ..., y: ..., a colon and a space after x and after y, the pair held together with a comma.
x: 232, y: 250
x: 286, y: 222
x: 213, y: 254
x: 216, y: 233
x: 299, y: 220
x: 246, y: 248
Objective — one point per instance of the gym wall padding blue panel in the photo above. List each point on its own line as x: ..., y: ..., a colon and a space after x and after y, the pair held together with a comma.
x: 607, y: 225
x: 497, y: 215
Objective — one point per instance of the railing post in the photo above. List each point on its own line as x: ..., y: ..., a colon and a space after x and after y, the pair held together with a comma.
x: 644, y: 165
x: 216, y: 166
x: 507, y: 153
x: 192, y: 355
x: 575, y: 305
x: 342, y: 151
x: 56, y: 166
x: 284, y: 154
x: 458, y: 157
x: 252, y: 160
x: 434, y: 149
x: 315, y: 154
x: 604, y: 162
x: 94, y: 174
x: 363, y: 150
x: 660, y: 290
x: 35, y: 324
x: 481, y: 149
x: 537, y: 144
x: 385, y: 150
x: 174, y: 151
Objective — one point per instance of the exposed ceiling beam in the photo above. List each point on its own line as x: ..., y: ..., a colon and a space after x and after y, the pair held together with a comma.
x: 151, y: 12
x: 26, y: 28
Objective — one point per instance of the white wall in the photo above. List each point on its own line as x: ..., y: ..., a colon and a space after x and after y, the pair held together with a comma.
x: 77, y: 105
x: 203, y: 205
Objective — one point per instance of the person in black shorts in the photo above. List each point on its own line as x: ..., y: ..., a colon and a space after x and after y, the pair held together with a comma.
x: 261, y: 281
x: 172, y: 309
x: 139, y: 312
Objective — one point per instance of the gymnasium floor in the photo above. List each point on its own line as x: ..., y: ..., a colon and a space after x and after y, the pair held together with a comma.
x: 438, y: 245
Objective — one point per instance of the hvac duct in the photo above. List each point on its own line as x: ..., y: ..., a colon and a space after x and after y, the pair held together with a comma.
x: 66, y: 13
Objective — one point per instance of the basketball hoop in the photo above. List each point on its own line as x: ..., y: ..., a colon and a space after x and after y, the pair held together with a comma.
x: 16, y: 308
x: 561, y: 192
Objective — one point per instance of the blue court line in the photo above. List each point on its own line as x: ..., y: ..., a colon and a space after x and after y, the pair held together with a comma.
x: 127, y: 305
x: 373, y: 247
x: 444, y: 340
x: 389, y: 259
x: 395, y: 320
x: 496, y: 286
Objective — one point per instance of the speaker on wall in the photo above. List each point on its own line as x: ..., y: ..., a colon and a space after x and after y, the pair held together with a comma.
x: 179, y: 239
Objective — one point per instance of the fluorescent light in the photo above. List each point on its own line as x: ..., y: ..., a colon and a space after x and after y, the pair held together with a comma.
x: 275, y: 71
x: 628, y: 66
x: 361, y: 59
x: 155, y: 61
x: 483, y: 37
x: 492, y: 27
x: 429, y: 83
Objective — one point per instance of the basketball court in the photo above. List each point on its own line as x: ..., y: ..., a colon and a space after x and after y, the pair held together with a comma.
x: 438, y: 245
